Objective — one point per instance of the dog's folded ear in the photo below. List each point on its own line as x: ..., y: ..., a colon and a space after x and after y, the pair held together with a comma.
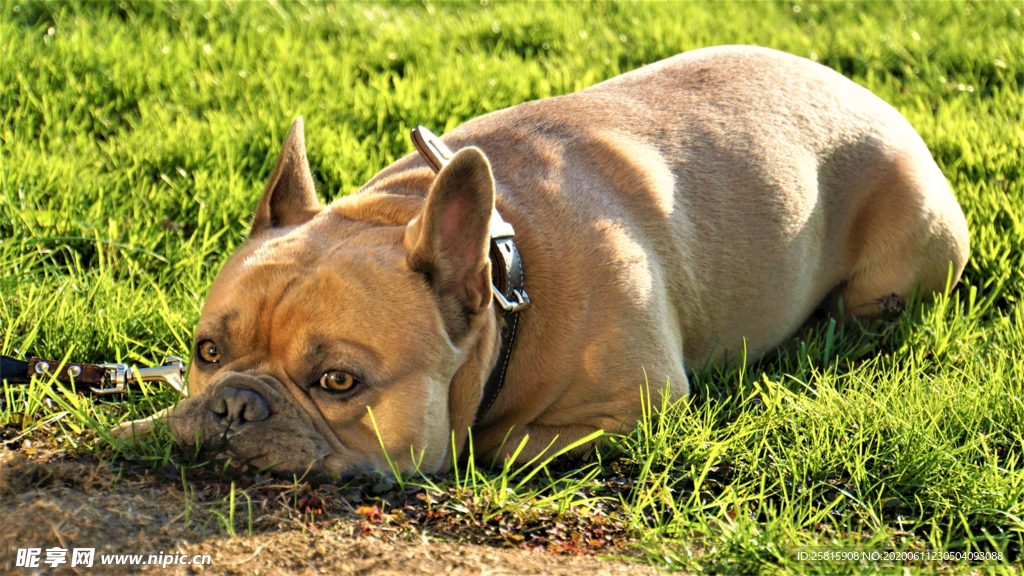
x: 290, y: 197
x: 449, y: 242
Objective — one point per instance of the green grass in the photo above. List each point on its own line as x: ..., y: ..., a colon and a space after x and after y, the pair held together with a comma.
x: 136, y: 138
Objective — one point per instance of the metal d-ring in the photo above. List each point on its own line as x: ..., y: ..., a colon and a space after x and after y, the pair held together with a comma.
x: 522, y: 303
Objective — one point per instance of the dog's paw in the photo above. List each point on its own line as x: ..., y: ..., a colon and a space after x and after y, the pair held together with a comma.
x: 140, y: 429
x: 890, y: 304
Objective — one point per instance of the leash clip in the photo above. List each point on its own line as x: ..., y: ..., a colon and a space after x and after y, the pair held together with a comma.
x: 117, y: 374
x: 172, y: 373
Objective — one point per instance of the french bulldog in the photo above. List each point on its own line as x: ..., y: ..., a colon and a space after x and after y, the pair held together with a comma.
x: 665, y: 218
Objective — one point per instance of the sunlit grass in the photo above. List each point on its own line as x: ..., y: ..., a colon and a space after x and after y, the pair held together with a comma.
x: 136, y: 137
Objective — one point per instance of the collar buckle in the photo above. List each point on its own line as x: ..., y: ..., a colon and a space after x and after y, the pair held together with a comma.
x: 522, y: 300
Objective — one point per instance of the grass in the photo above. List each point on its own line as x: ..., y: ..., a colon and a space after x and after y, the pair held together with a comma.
x: 136, y: 137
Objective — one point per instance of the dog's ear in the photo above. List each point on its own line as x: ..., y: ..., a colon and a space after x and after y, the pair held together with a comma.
x: 449, y: 241
x: 290, y: 197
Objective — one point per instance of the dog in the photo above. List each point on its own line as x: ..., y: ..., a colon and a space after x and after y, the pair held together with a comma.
x: 665, y: 218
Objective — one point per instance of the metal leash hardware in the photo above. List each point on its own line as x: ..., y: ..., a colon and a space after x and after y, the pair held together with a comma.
x: 172, y: 373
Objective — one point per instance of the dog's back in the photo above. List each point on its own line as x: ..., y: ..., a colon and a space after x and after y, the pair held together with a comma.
x: 745, y: 184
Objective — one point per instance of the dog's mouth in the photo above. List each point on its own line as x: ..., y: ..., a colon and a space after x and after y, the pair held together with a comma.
x: 248, y: 449
x: 243, y: 425
x: 224, y: 457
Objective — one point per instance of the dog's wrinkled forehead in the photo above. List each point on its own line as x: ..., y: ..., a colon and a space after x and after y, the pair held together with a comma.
x: 284, y: 293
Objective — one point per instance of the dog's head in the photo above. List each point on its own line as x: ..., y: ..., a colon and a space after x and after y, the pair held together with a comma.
x: 339, y: 332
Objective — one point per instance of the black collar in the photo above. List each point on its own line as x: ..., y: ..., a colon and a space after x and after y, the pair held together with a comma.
x: 506, y: 272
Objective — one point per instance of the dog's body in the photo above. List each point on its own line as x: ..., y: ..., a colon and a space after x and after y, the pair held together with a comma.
x: 664, y: 217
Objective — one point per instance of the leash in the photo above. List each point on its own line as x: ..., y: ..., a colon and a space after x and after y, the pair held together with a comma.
x: 506, y: 271
x: 100, y: 379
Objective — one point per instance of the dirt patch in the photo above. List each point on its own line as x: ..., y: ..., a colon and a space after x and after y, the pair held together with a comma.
x: 86, y: 504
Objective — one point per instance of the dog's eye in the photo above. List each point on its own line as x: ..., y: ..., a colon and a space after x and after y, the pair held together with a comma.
x: 208, y: 351
x: 337, y: 381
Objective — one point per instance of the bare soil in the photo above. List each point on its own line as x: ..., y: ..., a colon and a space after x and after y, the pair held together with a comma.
x: 48, y: 502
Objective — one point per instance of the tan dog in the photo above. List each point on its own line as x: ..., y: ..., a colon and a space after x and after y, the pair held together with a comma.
x: 663, y: 217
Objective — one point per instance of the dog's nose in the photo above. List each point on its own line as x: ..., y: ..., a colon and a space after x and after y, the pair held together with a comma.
x: 238, y: 405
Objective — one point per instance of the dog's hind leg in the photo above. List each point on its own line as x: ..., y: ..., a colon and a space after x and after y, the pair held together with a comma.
x: 906, y: 234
